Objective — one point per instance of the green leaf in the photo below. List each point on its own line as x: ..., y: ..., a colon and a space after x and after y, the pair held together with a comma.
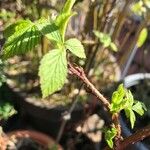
x: 49, y: 29
x: 121, y: 99
x: 64, y: 17
x: 62, y: 22
x: 68, y: 6
x: 113, y: 47
x: 130, y: 114
x: 142, y: 37
x: 118, y: 95
x: 6, y: 111
x: 138, y: 107
x: 129, y: 98
x: 15, y: 27
x: 75, y: 46
x: 104, y: 38
x: 25, y: 35
x: 24, y: 38
x: 109, y: 136
x: 53, y: 71
x: 138, y: 8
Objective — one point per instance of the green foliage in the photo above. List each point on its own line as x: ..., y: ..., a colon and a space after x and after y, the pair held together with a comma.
x: 141, y: 7
x: 68, y: 6
x: 5, y: 14
x: 122, y: 99
x: 23, y: 37
x: 75, y: 46
x: 105, y: 40
x: 142, y: 37
x: 49, y: 30
x: 64, y: 17
x: 53, y: 71
x: 6, y: 111
x: 110, y: 135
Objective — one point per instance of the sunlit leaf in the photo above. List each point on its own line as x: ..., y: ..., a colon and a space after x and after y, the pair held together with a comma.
x: 138, y: 107
x: 23, y: 37
x: 105, y: 40
x: 49, y: 29
x: 6, y: 111
x: 113, y: 47
x: 142, y: 37
x: 130, y: 114
x: 68, y: 6
x: 109, y: 136
x: 64, y: 17
x: 53, y: 71
x: 76, y: 47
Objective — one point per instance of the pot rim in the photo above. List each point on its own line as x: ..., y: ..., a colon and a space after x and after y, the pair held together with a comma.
x: 37, y: 136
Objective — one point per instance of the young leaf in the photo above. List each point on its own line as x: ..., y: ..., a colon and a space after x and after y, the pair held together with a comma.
x: 109, y: 136
x: 6, y: 111
x: 138, y: 8
x: 24, y: 38
x: 68, y: 6
x: 119, y: 94
x: 62, y: 22
x: 138, y: 108
x: 49, y: 29
x: 105, y: 39
x: 130, y: 114
x: 75, y: 46
x: 53, y: 71
x: 113, y: 47
x: 15, y: 27
x: 121, y: 99
x: 129, y: 98
x: 142, y: 37
x: 64, y: 17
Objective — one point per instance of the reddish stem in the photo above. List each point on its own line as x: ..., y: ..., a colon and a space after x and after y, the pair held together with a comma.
x: 79, y: 72
x: 136, y: 137
x: 119, y: 145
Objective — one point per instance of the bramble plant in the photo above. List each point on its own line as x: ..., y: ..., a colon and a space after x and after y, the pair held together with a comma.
x: 25, y: 35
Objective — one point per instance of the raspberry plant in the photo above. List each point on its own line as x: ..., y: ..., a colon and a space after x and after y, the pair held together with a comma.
x: 25, y: 35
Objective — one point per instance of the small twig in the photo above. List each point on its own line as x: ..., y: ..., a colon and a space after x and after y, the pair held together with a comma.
x: 136, y: 137
x: 79, y: 72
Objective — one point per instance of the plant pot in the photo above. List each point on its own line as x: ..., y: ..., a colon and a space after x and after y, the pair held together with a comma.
x: 132, y: 82
x: 40, y: 138
x: 43, y: 118
x: 48, y: 119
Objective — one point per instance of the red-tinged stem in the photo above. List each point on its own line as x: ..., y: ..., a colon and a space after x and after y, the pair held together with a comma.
x: 79, y: 72
x: 136, y: 137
